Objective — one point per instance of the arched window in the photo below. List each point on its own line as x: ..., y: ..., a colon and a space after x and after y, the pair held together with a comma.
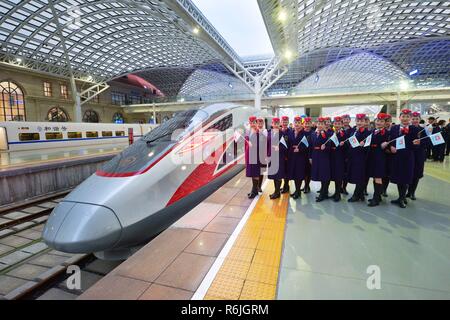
x: 57, y: 114
x: 12, y: 102
x: 118, y: 118
x: 90, y: 116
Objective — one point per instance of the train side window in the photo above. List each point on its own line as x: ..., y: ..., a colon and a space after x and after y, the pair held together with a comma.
x: 29, y: 136
x: 120, y: 133
x: 74, y: 135
x: 106, y: 133
x: 53, y: 135
x: 91, y: 134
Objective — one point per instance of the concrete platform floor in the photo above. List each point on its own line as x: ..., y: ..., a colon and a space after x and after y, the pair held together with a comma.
x: 329, y: 246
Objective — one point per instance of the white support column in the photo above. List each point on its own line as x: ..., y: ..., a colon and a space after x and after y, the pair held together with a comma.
x: 258, y: 92
x: 77, y: 101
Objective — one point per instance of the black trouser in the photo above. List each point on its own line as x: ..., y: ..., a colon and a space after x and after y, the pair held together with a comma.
x: 261, y: 177
x: 385, y: 184
x: 378, y: 190
x: 277, y: 185
x: 324, y: 185
x: 337, y: 187
x: 413, y: 187
x: 286, y: 184
x: 298, y: 185
x: 402, y: 188
x: 359, y: 191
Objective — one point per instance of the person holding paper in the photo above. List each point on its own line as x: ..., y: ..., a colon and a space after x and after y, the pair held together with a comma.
x: 277, y: 152
x: 252, y: 156
x: 387, y: 126
x: 307, y: 124
x: 376, y: 160
x: 285, y: 132
x: 402, y: 164
x: 297, y: 156
x: 337, y: 159
x: 320, y: 159
x: 419, y: 156
x: 357, y: 159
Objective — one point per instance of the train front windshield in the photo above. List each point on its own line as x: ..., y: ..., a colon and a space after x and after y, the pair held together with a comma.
x: 143, y: 152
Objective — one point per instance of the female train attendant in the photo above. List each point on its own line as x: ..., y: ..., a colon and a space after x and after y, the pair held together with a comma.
x: 262, y: 130
x: 419, y: 156
x: 297, y: 156
x: 252, y: 156
x: 357, y: 157
x: 387, y: 126
x: 346, y: 119
x: 285, y: 132
x: 277, y: 152
x: 320, y: 159
x: 376, y: 161
x: 402, y: 162
x: 337, y: 159
x: 307, y: 124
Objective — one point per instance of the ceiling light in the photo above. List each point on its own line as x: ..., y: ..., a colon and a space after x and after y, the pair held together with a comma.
x: 196, y: 30
x: 282, y: 15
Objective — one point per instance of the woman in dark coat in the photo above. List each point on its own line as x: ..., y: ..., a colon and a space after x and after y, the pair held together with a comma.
x: 419, y: 156
x: 376, y: 161
x: 320, y: 158
x: 357, y: 158
x: 402, y: 164
x: 307, y: 124
x: 338, y: 155
x: 285, y: 132
x: 346, y: 119
x: 297, y: 156
x: 387, y: 126
x: 252, y: 156
x: 277, y: 152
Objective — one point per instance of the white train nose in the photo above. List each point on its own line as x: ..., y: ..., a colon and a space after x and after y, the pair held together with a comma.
x: 79, y: 228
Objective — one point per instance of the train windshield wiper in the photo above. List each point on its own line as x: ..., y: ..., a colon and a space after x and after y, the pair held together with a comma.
x: 153, y: 140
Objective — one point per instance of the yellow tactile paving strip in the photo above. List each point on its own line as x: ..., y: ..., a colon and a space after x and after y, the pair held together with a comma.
x: 250, y: 270
x: 438, y: 170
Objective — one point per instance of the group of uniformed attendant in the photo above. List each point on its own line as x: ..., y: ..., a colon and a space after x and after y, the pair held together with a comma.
x: 308, y: 152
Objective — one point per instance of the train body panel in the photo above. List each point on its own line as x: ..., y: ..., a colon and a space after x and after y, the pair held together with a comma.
x: 152, y: 183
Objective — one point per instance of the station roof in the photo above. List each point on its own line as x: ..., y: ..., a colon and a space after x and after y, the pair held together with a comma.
x: 173, y: 46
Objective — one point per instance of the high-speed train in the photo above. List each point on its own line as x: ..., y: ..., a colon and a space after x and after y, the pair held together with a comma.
x: 151, y: 184
x: 24, y: 136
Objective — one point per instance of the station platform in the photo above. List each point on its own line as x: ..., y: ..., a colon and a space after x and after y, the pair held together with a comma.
x: 230, y: 247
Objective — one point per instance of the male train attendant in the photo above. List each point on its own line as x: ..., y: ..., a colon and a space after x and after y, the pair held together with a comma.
x: 357, y: 159
x: 346, y: 119
x: 297, y: 157
x: 402, y: 164
x: 376, y: 161
x: 252, y: 155
x: 387, y: 126
x: 419, y: 151
x: 320, y: 158
x: 285, y: 130
x: 307, y: 129
x: 262, y: 130
x: 277, y: 152
x: 338, y: 155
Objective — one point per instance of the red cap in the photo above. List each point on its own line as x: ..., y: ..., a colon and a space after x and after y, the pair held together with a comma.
x: 416, y: 114
x: 327, y: 118
x: 284, y: 118
x: 338, y: 119
x: 361, y: 116
x: 388, y: 116
x: 297, y: 118
x: 405, y: 111
x: 307, y: 119
x: 275, y: 120
x: 345, y: 116
x: 381, y: 116
x: 321, y: 119
x: 251, y: 119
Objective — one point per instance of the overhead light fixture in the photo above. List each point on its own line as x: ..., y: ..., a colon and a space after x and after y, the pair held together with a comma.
x: 282, y: 15
x: 19, y: 60
x: 413, y: 72
x: 230, y: 85
x: 288, y: 54
x: 196, y: 30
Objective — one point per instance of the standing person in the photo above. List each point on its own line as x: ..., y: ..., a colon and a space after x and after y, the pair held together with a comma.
x: 357, y: 160
x: 277, y: 152
x: 368, y: 127
x: 307, y: 124
x: 447, y: 138
x: 402, y: 164
x: 320, y: 159
x: 262, y: 130
x: 439, y: 150
x: 429, y: 148
x: 346, y: 119
x: 387, y: 126
x: 419, y: 152
x: 297, y: 156
x: 337, y: 159
x: 376, y: 160
x: 285, y: 132
x: 252, y: 161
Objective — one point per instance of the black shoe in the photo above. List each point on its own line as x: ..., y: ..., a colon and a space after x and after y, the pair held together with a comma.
x: 373, y: 203
x: 260, y: 190
x: 307, y: 189
x: 320, y: 198
x: 275, y: 195
x: 384, y: 194
x: 295, y: 195
x: 344, y: 191
x: 337, y: 197
x: 285, y: 189
x: 251, y: 195
x: 353, y: 199
x: 399, y: 202
x: 413, y: 197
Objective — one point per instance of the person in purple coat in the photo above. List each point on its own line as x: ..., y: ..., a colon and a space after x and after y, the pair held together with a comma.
x: 402, y: 164
x: 338, y: 155
x: 419, y: 156
x: 307, y: 129
x: 357, y: 159
x: 252, y: 156
x: 346, y: 119
x: 387, y: 126
x: 262, y: 130
x: 285, y: 132
x: 277, y: 152
x: 297, y: 156
x: 376, y: 161
x: 320, y: 158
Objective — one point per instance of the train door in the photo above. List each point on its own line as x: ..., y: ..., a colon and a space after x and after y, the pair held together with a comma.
x: 3, y: 139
